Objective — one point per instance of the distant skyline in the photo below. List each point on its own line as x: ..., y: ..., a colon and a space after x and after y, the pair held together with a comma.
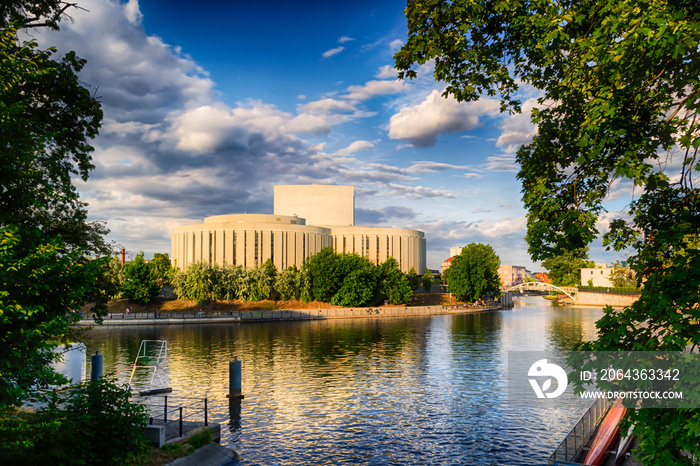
x: 207, y: 107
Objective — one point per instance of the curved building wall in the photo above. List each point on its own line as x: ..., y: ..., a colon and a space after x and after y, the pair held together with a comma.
x: 248, y: 240
x: 378, y: 244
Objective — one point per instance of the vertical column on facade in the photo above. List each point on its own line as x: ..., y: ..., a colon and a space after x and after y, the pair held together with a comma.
x: 228, y: 249
x: 266, y: 246
x: 396, y: 249
x: 220, y: 242
x: 357, y: 244
x: 240, y: 247
x: 197, y: 243
x: 206, y: 245
x: 277, y: 252
x: 373, y: 248
x: 383, y: 250
x: 423, y: 258
x: 291, y: 248
x: 405, y: 258
x: 249, y: 248
x: 299, y: 255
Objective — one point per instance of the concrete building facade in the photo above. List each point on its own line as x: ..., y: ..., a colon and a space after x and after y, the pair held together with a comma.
x: 251, y: 239
x: 599, y: 276
x: 512, y: 275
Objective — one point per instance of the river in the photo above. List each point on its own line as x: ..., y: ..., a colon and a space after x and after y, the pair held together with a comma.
x: 419, y: 390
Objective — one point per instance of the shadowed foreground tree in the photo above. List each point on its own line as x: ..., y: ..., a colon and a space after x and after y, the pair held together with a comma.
x: 619, y: 90
x: 47, y: 118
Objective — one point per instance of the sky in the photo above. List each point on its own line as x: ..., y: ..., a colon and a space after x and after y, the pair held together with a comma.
x: 209, y: 105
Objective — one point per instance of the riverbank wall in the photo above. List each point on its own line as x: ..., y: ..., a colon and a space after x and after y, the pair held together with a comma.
x: 175, y: 318
x: 604, y: 299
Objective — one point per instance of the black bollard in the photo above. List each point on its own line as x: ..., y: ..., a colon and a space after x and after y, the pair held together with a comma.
x: 96, y: 366
x: 234, y: 378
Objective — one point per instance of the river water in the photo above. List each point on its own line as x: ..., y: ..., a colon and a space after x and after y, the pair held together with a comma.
x: 418, y: 390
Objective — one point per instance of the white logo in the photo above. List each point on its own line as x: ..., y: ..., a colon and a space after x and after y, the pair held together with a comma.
x: 541, y: 368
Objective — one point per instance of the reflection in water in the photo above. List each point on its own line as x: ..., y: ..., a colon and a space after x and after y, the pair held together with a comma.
x: 385, y: 391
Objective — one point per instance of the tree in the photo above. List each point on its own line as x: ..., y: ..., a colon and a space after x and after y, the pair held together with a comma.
x: 287, y: 283
x: 41, y: 289
x: 359, y: 288
x: 160, y: 267
x: 474, y: 272
x: 139, y: 284
x: 413, y: 279
x: 565, y: 269
x: 622, y: 276
x: 322, y: 270
x: 619, y: 97
x: 427, y: 281
x: 394, y: 285
x: 47, y: 118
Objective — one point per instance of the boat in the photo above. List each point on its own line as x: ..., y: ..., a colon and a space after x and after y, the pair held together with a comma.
x: 624, y: 446
x: 608, y: 432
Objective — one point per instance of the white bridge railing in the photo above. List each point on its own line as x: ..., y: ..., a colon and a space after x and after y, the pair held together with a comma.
x: 539, y: 286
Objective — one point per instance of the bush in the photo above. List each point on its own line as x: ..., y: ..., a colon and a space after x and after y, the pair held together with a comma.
x: 93, y: 424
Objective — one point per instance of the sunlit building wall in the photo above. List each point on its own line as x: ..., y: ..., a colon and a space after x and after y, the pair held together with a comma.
x: 251, y: 239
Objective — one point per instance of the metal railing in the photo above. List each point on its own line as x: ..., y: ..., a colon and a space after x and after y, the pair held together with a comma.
x: 283, y: 314
x: 586, y: 426
x: 176, y: 415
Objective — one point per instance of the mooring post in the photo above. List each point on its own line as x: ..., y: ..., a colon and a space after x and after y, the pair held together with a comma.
x: 96, y: 367
x: 234, y: 378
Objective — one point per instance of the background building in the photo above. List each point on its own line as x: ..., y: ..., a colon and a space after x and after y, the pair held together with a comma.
x: 599, y: 276
x: 288, y: 238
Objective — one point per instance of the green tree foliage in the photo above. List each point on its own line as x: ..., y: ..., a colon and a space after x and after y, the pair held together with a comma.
x: 287, y: 283
x: 94, y: 424
x: 565, y: 269
x: 47, y: 118
x: 474, y: 272
x: 413, y: 279
x: 619, y: 98
x: 359, y: 288
x: 322, y: 271
x: 427, y: 281
x: 622, y: 277
x: 139, y: 284
x: 41, y: 288
x: 114, y: 277
x: 160, y: 267
x: 395, y: 286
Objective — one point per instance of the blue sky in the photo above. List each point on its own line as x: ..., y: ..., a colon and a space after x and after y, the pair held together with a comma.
x: 209, y: 105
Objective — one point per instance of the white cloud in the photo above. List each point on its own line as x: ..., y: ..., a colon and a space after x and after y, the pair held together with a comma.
x: 333, y: 51
x: 517, y: 129
x: 325, y: 106
x: 431, y: 167
x: 355, y: 147
x: 387, y: 72
x: 502, y: 163
x: 132, y: 12
x: 345, y: 39
x: 418, y: 192
x: 396, y: 44
x: 422, y: 123
x: 374, y: 88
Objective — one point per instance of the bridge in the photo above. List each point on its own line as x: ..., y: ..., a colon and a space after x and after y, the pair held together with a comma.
x: 539, y: 286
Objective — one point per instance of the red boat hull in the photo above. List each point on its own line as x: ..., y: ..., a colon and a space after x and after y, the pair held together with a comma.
x: 607, y: 434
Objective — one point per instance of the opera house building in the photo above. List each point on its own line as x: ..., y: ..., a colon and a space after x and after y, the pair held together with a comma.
x: 306, y: 219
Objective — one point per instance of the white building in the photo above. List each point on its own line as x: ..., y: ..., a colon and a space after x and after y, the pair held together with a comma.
x: 306, y: 219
